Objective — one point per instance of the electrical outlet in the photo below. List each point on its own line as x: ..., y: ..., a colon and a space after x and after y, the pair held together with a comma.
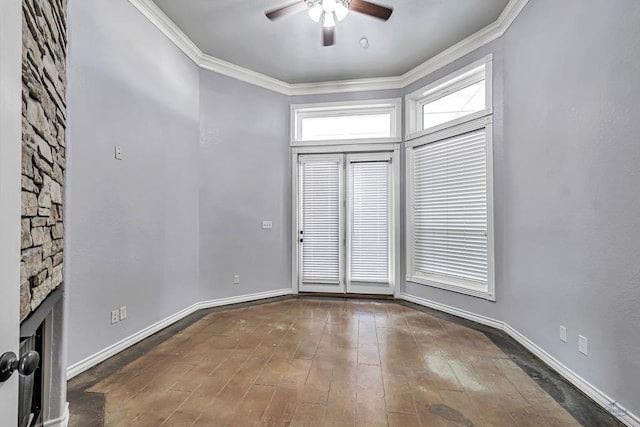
x: 267, y: 225
x: 123, y: 312
x: 114, y: 316
x: 563, y: 334
x: 118, y: 152
x: 583, y: 345
x: 236, y: 279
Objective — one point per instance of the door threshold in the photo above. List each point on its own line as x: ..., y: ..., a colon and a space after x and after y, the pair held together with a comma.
x: 349, y: 296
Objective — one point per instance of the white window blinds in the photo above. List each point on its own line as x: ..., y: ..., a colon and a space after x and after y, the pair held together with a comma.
x: 450, y: 209
x: 369, y: 221
x: 321, y: 200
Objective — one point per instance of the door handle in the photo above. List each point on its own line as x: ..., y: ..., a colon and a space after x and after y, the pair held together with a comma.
x: 25, y: 365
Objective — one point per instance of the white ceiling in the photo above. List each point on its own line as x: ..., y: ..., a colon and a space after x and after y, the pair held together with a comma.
x: 290, y: 49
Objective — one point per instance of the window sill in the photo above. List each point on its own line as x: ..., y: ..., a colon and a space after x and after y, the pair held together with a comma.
x: 453, y: 285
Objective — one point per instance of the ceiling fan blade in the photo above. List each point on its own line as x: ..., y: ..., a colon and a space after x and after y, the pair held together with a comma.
x: 283, y: 11
x: 371, y: 9
x: 328, y: 36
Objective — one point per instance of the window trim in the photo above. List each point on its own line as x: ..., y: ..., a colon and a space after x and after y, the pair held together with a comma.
x: 452, y: 82
x: 443, y: 282
x: 392, y: 106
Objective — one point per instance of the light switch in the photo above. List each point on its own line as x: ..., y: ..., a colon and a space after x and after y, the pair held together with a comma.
x: 267, y: 224
x: 118, y: 152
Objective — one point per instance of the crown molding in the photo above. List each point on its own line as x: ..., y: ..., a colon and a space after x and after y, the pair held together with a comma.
x: 220, y: 66
x: 486, y: 35
x: 489, y: 33
x: 163, y: 23
x: 356, y: 85
x: 158, y: 18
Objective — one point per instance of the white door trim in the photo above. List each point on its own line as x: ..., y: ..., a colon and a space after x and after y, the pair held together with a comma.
x: 10, y: 191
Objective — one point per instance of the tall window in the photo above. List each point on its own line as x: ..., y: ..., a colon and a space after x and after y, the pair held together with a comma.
x: 449, y: 183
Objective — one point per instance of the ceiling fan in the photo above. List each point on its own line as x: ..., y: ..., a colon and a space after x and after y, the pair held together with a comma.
x: 329, y: 12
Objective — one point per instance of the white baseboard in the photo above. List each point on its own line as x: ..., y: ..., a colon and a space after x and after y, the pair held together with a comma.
x: 243, y: 298
x: 63, y: 421
x: 580, y: 383
x: 121, y: 345
x: 484, y: 320
x: 583, y: 385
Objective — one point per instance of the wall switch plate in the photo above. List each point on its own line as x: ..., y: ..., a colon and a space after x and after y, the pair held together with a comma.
x: 236, y: 279
x: 582, y: 345
x: 267, y: 224
x: 118, y: 152
x: 115, y: 316
x: 563, y: 334
x: 123, y: 312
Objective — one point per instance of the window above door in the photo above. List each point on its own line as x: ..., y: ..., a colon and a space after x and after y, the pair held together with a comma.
x: 354, y: 122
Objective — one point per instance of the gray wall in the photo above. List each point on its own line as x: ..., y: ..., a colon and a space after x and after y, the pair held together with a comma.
x: 132, y: 224
x: 572, y: 211
x: 347, y: 96
x: 206, y: 159
x: 245, y: 177
x: 173, y: 222
x: 566, y: 176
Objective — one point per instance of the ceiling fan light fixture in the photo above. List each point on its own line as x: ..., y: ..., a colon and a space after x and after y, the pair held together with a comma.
x: 328, y: 20
x: 315, y: 12
x: 330, y: 12
x: 329, y: 5
x: 342, y: 10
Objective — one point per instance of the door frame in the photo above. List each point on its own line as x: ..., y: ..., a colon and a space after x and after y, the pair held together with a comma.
x: 10, y: 191
x: 393, y: 148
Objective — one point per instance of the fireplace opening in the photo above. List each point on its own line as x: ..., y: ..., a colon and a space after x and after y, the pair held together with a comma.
x: 30, y: 387
x: 36, y: 334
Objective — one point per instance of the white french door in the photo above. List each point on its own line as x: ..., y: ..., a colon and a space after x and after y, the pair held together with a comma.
x: 345, y: 223
x: 369, y: 219
x: 321, y: 223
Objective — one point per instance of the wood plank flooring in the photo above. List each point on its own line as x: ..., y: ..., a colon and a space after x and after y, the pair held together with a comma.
x: 315, y: 362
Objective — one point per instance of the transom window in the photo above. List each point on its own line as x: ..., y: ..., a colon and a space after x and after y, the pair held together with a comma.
x: 460, y: 97
x: 461, y: 103
x: 335, y: 123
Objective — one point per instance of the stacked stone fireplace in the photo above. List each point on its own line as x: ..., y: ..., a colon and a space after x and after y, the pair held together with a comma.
x: 44, y: 38
x: 44, y: 41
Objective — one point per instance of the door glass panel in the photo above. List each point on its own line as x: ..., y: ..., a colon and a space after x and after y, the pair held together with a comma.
x: 321, y: 221
x: 369, y: 222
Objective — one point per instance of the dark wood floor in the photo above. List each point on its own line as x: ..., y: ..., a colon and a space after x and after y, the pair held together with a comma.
x: 317, y: 362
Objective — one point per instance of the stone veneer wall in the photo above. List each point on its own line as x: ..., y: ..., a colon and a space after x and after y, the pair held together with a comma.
x: 44, y: 45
